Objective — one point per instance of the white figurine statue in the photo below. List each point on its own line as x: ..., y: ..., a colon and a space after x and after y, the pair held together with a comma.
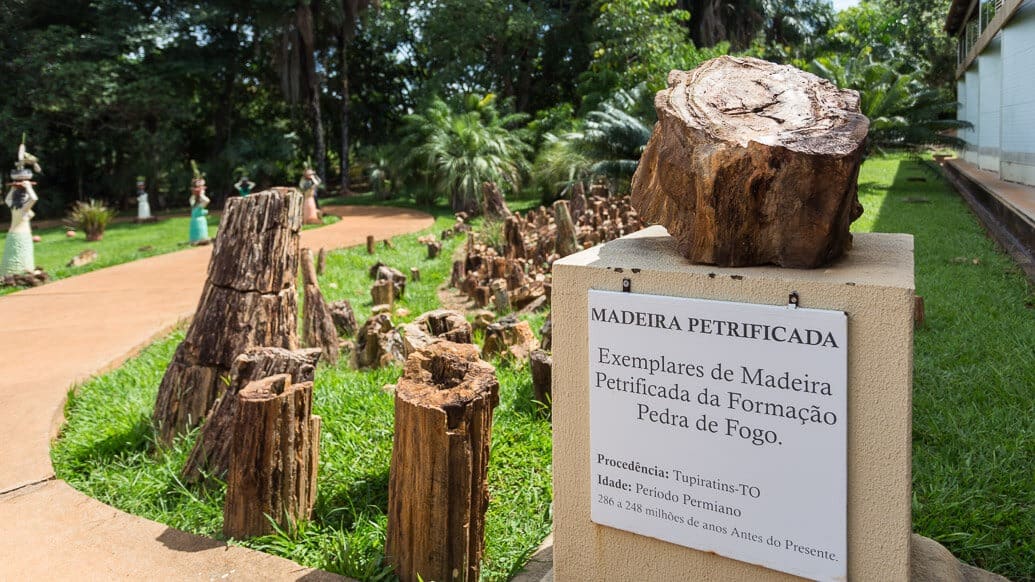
x: 143, y: 207
x: 19, y: 256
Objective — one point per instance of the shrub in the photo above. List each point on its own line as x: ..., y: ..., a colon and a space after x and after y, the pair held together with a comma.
x: 92, y: 218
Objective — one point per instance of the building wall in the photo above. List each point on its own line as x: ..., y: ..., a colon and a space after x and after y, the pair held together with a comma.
x: 1017, y: 163
x: 973, y: 99
x: 990, y: 79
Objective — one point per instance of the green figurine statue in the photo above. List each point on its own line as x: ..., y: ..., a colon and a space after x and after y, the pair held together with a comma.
x: 198, y: 211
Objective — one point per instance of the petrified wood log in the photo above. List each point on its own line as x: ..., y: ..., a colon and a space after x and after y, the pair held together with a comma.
x: 492, y: 202
x: 578, y: 202
x: 382, y: 272
x: 541, y: 364
x: 458, y: 274
x: 211, y: 453
x: 318, y: 329
x: 566, y: 242
x: 509, y: 337
x: 514, y: 241
x: 753, y: 163
x: 433, y: 326
x: 344, y: 318
x: 273, y: 459
x: 437, y: 487
x: 249, y: 300
x: 434, y: 248
x: 414, y: 274
x: 383, y: 292
x: 377, y: 343
x: 321, y: 261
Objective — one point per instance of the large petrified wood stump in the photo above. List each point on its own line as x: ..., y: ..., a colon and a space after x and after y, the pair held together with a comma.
x: 274, y: 458
x: 437, y: 488
x: 249, y: 300
x: 211, y: 453
x: 753, y: 163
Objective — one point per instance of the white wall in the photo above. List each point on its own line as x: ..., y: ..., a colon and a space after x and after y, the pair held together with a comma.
x: 972, y: 100
x: 990, y: 79
x: 1017, y: 138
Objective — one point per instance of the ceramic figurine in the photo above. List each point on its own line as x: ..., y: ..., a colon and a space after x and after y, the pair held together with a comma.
x: 244, y: 186
x: 143, y: 207
x: 198, y: 203
x: 19, y: 256
x: 308, y: 185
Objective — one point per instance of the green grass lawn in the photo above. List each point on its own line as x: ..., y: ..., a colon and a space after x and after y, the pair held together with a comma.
x: 974, y: 372
x: 973, y: 428
x: 106, y: 448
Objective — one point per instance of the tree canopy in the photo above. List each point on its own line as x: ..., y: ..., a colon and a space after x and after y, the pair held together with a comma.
x: 107, y: 90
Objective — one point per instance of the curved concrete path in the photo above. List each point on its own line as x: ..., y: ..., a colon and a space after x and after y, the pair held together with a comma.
x: 57, y: 335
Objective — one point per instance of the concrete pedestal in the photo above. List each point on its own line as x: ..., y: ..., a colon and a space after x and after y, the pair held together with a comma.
x: 873, y: 284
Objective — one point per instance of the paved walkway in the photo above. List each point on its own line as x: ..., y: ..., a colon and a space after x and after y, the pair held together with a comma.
x: 54, y: 336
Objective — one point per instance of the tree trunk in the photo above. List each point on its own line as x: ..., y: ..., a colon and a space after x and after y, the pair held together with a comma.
x: 249, y: 300
x: 493, y: 204
x: 753, y: 163
x: 437, y: 488
x: 211, y: 453
x: 307, y: 50
x: 318, y: 329
x: 514, y: 242
x: 343, y: 46
x: 273, y: 459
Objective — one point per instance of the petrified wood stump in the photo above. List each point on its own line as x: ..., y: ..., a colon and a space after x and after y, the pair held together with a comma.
x: 249, y: 300
x: 541, y: 364
x: 437, y: 488
x: 378, y: 343
x: 510, y: 337
x: 273, y: 459
x: 318, y: 329
x: 566, y: 242
x: 343, y: 317
x: 211, y: 453
x: 514, y: 242
x: 753, y: 163
x: 492, y: 202
x: 433, y: 326
x: 383, y: 292
x: 434, y: 248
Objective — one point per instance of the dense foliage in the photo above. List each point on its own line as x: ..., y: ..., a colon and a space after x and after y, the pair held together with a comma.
x: 110, y: 89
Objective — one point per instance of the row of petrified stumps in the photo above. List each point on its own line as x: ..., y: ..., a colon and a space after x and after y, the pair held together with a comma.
x: 239, y: 368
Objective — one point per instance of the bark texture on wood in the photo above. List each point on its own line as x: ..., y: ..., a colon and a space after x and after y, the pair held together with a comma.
x: 273, y: 459
x: 753, y: 163
x: 510, y: 337
x: 378, y: 343
x: 541, y: 365
x: 249, y: 300
x: 344, y: 318
x: 514, y: 241
x: 492, y: 202
x: 567, y: 243
x: 433, y: 326
x: 370, y: 244
x: 383, y: 293
x: 437, y: 488
x: 321, y: 261
x: 211, y: 453
x: 318, y: 329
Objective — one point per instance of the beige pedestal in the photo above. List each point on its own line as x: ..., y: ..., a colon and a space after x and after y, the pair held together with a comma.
x: 873, y: 284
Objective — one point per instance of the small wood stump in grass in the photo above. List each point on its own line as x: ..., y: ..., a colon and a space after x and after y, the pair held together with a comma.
x: 273, y: 458
x: 510, y: 337
x: 343, y: 317
x: 211, y: 453
x: 383, y: 292
x: 541, y: 365
x: 437, y: 488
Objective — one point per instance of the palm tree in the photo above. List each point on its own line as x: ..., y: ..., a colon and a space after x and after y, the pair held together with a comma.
x: 296, y: 63
x: 458, y: 151
x: 903, y: 111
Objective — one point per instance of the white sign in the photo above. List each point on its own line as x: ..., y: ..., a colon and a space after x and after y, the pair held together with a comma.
x: 721, y: 426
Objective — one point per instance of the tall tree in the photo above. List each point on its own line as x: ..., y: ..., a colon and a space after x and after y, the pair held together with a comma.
x: 346, y: 14
x: 299, y: 80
